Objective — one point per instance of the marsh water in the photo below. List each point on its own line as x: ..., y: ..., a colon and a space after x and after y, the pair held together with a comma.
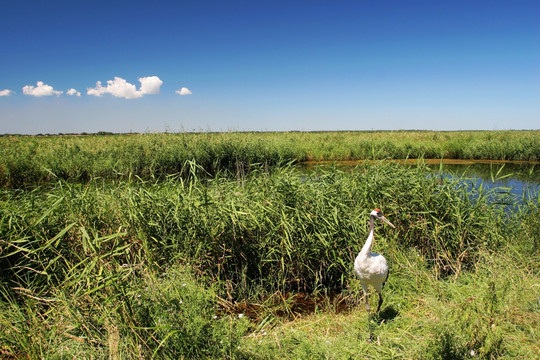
x: 518, y: 179
x: 521, y: 179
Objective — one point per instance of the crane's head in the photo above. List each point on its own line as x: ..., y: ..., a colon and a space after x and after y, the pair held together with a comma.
x: 377, y: 213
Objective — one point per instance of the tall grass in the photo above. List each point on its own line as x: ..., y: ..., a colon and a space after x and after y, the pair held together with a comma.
x: 98, y: 268
x: 26, y: 160
x: 245, y: 232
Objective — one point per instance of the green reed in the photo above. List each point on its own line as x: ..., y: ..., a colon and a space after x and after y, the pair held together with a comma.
x: 287, y: 230
x: 25, y: 160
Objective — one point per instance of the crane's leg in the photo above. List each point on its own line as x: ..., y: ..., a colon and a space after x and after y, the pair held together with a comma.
x: 378, y: 288
x: 364, y: 287
x: 380, y: 302
x: 370, y: 331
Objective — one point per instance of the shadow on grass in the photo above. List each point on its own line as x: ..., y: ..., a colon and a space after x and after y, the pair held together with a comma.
x: 386, y: 315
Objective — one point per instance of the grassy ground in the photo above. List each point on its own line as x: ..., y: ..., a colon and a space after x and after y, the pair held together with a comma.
x: 491, y: 312
x: 260, y: 266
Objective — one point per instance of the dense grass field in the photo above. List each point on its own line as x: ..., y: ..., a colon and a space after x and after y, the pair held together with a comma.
x: 254, y: 260
x: 26, y: 160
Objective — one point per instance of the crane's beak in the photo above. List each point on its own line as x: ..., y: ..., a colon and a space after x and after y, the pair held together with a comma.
x: 388, y: 222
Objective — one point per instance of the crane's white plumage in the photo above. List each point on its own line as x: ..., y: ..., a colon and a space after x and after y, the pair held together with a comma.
x: 371, y: 268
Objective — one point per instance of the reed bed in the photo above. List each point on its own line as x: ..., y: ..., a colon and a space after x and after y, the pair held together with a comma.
x: 29, y: 159
x: 143, y: 268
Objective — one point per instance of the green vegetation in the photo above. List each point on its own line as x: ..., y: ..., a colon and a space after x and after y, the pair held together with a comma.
x: 259, y: 265
x: 26, y: 160
x: 487, y: 313
x: 212, y: 245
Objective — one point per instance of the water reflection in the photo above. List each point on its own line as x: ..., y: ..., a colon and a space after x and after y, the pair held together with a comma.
x: 519, y: 178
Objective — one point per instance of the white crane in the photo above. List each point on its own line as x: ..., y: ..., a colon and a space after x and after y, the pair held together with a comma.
x: 371, y: 268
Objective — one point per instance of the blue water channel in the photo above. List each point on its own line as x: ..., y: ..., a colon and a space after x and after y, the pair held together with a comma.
x: 508, y: 182
x: 517, y: 181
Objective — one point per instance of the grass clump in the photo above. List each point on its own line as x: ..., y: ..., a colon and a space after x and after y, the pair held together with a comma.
x: 181, y: 318
x: 132, y: 314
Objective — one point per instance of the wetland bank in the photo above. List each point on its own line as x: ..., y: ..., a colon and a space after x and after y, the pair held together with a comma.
x: 213, y: 245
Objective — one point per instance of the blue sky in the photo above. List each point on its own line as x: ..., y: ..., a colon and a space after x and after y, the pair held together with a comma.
x: 268, y: 65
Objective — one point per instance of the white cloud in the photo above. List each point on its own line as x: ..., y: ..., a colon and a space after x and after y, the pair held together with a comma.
x: 97, y: 91
x: 117, y: 87
x: 150, y: 84
x: 73, y: 92
x: 5, y: 92
x: 183, y: 91
x: 40, y: 90
x: 121, y: 88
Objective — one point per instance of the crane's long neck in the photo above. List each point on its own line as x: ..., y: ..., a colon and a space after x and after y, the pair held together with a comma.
x: 367, y: 246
